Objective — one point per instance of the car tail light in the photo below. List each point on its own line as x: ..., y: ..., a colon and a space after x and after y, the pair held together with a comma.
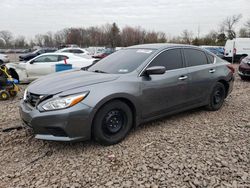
x: 231, y: 68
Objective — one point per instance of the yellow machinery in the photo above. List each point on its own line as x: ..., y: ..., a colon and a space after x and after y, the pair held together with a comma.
x: 8, y: 85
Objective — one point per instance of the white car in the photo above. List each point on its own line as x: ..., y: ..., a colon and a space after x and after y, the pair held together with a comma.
x: 4, y: 59
x: 76, y: 51
x: 45, y: 64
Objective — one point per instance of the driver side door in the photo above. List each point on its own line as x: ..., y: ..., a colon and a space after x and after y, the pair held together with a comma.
x: 42, y: 66
x: 165, y: 93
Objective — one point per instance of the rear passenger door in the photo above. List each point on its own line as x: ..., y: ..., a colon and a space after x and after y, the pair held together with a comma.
x: 166, y: 92
x: 200, y: 69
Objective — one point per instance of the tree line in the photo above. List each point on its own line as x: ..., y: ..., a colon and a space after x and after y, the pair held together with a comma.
x: 110, y: 35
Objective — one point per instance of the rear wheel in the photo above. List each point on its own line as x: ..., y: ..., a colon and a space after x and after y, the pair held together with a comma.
x: 4, y: 95
x: 217, y: 97
x: 112, y: 123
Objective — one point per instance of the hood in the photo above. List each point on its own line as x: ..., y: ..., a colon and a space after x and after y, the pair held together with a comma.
x: 67, y: 80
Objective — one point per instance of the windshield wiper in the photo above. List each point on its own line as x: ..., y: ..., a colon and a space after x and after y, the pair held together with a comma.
x: 99, y: 71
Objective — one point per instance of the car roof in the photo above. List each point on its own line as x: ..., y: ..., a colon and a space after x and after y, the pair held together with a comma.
x: 158, y: 46
x: 72, y: 48
x: 59, y: 53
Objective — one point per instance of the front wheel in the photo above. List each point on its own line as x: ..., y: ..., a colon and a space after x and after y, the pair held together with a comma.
x: 112, y: 123
x: 217, y: 97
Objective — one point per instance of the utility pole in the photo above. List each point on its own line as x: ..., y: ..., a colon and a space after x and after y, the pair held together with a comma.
x: 233, y: 52
x: 199, y: 30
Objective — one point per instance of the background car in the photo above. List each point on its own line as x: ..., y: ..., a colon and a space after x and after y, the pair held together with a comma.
x: 45, y: 64
x: 4, y: 59
x: 217, y: 50
x: 127, y: 88
x: 31, y: 55
x: 77, y: 51
x: 244, y: 68
x: 104, y: 53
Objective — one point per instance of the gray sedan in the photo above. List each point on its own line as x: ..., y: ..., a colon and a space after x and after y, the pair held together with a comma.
x: 132, y: 86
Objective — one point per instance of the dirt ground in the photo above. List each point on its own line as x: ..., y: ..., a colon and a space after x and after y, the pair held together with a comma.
x: 191, y: 149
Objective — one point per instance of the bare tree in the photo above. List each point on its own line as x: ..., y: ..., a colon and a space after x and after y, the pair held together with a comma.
x: 187, y: 36
x: 244, y: 33
x: 20, y: 42
x: 7, y: 36
x: 39, y: 40
x: 228, y: 25
x: 248, y: 24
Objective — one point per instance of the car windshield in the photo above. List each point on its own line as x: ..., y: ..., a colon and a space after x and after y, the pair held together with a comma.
x: 122, y: 62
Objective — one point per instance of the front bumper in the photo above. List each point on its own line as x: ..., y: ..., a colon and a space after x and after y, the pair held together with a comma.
x: 71, y: 124
x: 241, y: 73
x: 6, y: 60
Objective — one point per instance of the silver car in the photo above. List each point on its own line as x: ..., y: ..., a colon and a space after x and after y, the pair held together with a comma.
x: 132, y: 86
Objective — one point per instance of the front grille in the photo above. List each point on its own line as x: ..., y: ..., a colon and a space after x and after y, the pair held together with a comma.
x: 56, y: 131
x: 32, y: 99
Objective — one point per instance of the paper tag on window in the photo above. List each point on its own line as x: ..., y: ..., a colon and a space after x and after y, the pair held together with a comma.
x: 144, y: 51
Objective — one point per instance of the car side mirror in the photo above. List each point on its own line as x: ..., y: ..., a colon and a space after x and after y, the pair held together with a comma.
x: 32, y: 62
x: 155, y: 70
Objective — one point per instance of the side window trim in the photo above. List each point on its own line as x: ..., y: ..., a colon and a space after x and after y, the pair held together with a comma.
x: 213, y: 57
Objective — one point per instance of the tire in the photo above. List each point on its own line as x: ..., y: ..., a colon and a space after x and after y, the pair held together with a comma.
x: 112, y: 123
x: 217, y: 97
x: 4, y: 95
x: 244, y: 78
x: 14, y: 74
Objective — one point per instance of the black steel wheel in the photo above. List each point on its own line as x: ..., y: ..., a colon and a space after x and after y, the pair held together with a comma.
x: 112, y: 123
x: 217, y: 97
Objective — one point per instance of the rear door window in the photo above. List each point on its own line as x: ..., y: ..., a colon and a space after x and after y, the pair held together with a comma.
x: 170, y: 59
x: 46, y: 58
x: 195, y: 57
x: 62, y: 57
x: 210, y: 58
x: 76, y: 51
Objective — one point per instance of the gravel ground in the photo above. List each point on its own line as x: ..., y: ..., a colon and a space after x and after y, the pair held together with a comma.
x: 191, y: 149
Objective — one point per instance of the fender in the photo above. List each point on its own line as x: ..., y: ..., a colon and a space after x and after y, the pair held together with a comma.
x: 20, y: 70
x: 124, y: 96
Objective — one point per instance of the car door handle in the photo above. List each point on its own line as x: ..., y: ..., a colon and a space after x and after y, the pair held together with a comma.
x: 212, y: 70
x: 183, y: 78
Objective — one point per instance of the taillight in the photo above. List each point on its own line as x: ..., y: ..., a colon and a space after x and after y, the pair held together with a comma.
x: 231, y: 68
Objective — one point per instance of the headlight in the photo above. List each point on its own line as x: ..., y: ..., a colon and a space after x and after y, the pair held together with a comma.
x: 64, y: 102
x: 25, y: 94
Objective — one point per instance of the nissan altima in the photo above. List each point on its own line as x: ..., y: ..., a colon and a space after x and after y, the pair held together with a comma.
x: 131, y: 86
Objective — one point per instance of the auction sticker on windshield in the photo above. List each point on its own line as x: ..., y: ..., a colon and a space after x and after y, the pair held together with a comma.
x: 144, y: 51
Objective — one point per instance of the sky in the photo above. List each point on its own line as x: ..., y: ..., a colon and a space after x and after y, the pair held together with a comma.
x: 30, y: 17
